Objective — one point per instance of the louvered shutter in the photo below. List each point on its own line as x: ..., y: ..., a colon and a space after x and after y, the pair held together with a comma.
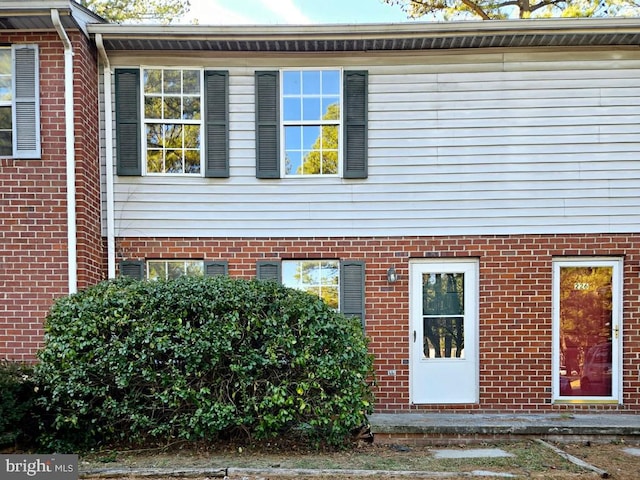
x: 352, y: 288
x: 268, y: 270
x: 132, y: 268
x: 217, y: 123
x: 128, y: 151
x: 267, y: 124
x: 216, y: 268
x: 26, y: 102
x: 355, y: 126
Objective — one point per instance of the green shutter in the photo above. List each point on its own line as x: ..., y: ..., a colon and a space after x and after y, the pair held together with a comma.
x: 26, y: 102
x: 355, y: 124
x: 216, y: 93
x: 352, y: 274
x: 269, y: 270
x: 267, y: 124
x: 216, y: 268
x: 132, y: 268
x: 128, y: 143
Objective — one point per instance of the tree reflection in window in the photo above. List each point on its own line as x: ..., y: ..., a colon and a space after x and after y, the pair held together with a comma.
x: 443, y: 315
x: 317, y: 277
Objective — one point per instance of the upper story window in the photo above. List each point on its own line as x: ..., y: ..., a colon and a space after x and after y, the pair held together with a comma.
x: 172, y: 120
x: 6, y: 96
x: 311, y: 122
x: 311, y: 119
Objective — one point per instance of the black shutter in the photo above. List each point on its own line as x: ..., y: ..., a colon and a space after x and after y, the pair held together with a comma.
x: 128, y: 152
x: 216, y: 268
x: 352, y: 288
x: 267, y: 124
x: 268, y: 270
x: 132, y: 268
x: 355, y: 126
x: 216, y: 115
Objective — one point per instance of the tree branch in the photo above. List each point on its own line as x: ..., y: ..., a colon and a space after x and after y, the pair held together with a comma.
x: 476, y: 8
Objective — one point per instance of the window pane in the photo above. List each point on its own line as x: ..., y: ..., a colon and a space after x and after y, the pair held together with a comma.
x: 192, y: 161
x: 152, y: 107
x: 292, y: 109
x: 155, y: 162
x: 311, y: 109
x: 172, y: 81
x: 444, y: 337
x: 331, y: 82
x: 329, y: 162
x: 293, y: 162
x: 174, y: 161
x: 291, y: 83
x: 195, y: 268
x: 191, y: 136
x: 5, y: 88
x: 156, y: 271
x: 154, y: 135
x: 443, y: 294
x: 6, y: 148
x: 191, y: 82
x: 175, y: 269
x: 310, y: 137
x: 331, y: 108
x: 173, y: 136
x: 153, y: 81
x: 191, y: 108
x: 293, y: 138
x: 310, y: 82
x: 172, y: 108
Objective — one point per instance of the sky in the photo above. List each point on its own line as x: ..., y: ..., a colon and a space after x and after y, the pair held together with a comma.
x: 295, y: 12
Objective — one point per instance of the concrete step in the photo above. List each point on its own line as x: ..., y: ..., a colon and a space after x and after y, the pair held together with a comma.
x: 446, y: 428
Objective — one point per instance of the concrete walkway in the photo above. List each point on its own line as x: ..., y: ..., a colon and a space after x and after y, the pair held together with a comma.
x: 417, y: 426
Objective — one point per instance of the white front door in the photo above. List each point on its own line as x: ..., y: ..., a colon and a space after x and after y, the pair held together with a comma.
x: 444, y: 331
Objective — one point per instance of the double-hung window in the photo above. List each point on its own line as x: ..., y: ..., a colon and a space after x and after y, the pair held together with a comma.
x: 311, y: 122
x: 317, y: 277
x: 172, y: 120
x: 311, y: 119
x: 19, y: 102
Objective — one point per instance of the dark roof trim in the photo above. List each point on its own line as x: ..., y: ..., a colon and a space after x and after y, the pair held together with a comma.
x: 372, y: 37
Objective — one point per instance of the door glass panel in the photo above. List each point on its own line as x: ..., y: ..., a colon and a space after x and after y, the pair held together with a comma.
x: 443, y: 315
x: 586, y: 297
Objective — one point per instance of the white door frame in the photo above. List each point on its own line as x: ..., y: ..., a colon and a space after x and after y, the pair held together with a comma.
x: 430, y: 377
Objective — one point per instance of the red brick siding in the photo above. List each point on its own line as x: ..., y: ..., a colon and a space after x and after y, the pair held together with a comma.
x: 33, y: 206
x: 515, y: 304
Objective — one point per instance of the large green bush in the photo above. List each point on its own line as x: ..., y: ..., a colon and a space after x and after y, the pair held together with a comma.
x: 200, y: 358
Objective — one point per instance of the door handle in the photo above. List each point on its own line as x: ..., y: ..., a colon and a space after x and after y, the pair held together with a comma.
x: 414, y: 336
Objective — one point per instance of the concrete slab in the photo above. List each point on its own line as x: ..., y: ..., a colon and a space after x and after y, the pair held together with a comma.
x: 471, y: 453
x: 632, y: 451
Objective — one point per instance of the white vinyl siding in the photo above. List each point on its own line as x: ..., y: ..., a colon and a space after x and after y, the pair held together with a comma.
x: 489, y: 143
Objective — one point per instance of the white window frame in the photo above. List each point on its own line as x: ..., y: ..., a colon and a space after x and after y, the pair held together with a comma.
x: 617, y: 265
x: 186, y: 263
x: 302, y: 123
x: 144, y: 121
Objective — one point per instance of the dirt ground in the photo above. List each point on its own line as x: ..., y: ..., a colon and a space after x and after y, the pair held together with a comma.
x: 529, y: 459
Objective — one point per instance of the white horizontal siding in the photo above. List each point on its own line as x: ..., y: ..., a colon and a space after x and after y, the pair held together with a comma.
x: 494, y: 143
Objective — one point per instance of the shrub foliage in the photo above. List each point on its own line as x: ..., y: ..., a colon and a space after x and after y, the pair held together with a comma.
x: 200, y: 358
x: 17, y: 398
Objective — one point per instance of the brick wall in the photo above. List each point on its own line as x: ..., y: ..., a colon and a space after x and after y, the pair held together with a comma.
x: 33, y: 206
x: 515, y: 288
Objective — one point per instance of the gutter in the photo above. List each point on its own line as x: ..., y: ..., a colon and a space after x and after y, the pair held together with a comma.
x: 108, y: 145
x: 72, y: 245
